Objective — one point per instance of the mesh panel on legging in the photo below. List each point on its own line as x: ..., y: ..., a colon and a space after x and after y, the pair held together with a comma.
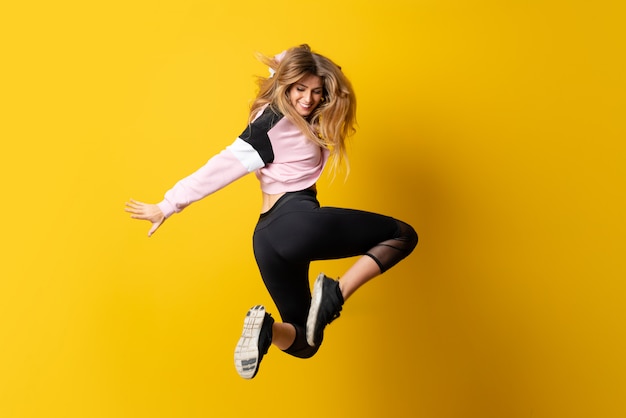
x: 388, y: 253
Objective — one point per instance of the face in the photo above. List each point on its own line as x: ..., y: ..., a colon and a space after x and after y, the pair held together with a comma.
x: 306, y: 94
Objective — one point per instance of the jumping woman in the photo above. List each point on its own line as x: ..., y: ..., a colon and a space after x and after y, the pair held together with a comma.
x: 298, y: 123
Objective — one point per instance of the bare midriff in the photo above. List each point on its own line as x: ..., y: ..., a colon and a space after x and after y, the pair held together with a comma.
x: 269, y: 200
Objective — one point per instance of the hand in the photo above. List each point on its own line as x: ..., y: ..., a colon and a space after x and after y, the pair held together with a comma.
x: 146, y: 211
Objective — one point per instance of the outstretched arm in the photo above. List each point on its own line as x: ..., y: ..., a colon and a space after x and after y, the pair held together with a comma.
x: 219, y: 171
x: 146, y: 211
x: 234, y: 162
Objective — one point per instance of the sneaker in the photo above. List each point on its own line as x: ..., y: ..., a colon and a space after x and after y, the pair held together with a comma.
x: 255, y: 340
x: 326, y: 304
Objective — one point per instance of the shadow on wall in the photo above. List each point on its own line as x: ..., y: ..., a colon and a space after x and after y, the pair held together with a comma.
x: 435, y: 311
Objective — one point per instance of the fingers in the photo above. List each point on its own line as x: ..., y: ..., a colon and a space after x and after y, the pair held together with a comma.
x: 145, y: 211
x: 139, y: 210
x: 134, y: 206
x: 155, y: 226
x: 131, y: 207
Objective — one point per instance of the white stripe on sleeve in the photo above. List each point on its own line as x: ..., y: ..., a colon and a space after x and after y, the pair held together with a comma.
x: 246, y: 154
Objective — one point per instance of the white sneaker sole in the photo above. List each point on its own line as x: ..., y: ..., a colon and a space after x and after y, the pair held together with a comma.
x: 316, y: 301
x: 247, y: 349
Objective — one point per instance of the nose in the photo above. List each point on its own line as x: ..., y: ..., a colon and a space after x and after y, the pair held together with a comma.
x: 308, y: 96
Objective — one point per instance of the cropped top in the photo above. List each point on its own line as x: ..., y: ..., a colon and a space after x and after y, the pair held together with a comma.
x: 272, y: 146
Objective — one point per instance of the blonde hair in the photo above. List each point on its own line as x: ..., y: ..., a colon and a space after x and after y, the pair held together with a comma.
x: 334, y: 119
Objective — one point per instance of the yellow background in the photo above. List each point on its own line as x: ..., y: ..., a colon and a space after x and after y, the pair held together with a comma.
x: 495, y: 128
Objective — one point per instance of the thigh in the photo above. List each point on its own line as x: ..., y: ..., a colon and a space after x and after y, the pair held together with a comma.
x: 329, y: 233
x: 286, y: 281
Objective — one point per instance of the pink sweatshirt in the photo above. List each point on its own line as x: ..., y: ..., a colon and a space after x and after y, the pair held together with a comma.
x: 282, y: 157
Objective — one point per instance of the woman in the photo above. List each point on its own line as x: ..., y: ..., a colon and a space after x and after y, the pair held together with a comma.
x: 299, y: 121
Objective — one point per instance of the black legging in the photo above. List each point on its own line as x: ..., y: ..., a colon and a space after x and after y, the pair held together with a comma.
x: 297, y: 231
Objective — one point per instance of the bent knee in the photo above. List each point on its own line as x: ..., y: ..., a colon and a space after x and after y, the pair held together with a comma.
x: 408, y: 236
x: 302, y: 352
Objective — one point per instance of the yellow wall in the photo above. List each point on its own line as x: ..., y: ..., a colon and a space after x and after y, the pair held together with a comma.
x: 493, y: 127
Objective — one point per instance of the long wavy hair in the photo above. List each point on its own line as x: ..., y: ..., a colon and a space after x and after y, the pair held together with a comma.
x: 334, y: 119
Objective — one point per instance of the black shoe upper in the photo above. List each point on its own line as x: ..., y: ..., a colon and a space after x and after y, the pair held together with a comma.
x: 330, y: 307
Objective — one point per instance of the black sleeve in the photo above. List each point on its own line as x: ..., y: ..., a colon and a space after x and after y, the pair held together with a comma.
x: 256, y: 135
